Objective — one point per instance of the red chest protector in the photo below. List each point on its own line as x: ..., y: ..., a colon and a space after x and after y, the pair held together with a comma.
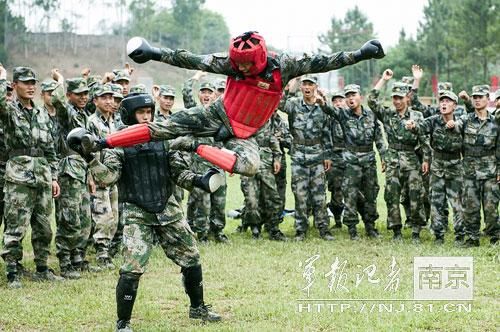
x: 250, y: 102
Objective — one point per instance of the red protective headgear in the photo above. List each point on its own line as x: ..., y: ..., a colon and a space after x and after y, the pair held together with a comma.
x: 246, y: 51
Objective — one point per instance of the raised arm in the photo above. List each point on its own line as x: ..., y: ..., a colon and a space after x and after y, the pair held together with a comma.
x: 139, y: 50
x: 187, y: 89
x: 373, y: 101
x: 294, y: 66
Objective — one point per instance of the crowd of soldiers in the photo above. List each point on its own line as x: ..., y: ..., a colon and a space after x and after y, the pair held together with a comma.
x: 432, y: 157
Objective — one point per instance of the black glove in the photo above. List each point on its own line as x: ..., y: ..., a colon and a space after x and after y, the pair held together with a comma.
x: 139, y: 50
x: 210, y: 181
x: 75, y: 139
x: 371, y: 49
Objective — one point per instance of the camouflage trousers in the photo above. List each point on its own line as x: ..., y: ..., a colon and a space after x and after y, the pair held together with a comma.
x: 335, y: 178
x: 443, y: 190
x: 477, y: 193
x: 262, y: 200
x: 139, y: 235
x: 395, y: 180
x: 281, y: 183
x: 207, y: 211
x: 104, y: 208
x: 73, y: 221
x: 309, y: 190
x: 2, y: 184
x: 202, y: 122
x: 116, y: 242
x: 25, y: 206
x: 360, y: 193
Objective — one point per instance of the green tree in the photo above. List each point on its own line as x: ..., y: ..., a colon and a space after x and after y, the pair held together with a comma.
x: 9, y: 25
x: 349, y: 34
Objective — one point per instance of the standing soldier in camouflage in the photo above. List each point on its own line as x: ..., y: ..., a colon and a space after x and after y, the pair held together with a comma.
x: 105, y: 200
x: 262, y: 200
x: 446, y: 169
x: 402, y: 167
x: 361, y: 130
x: 9, y: 97
x: 73, y: 206
x: 68, y: 225
x: 122, y: 77
x: 336, y: 174
x: 310, y: 153
x: 206, y: 211
x: 254, y: 87
x: 220, y: 87
x: 282, y: 133
x: 30, y: 176
x: 151, y: 212
x: 481, y: 134
x: 165, y: 98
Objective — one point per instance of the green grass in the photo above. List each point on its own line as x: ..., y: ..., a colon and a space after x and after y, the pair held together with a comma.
x: 255, y: 286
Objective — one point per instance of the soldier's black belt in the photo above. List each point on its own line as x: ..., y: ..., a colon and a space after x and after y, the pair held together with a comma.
x: 360, y: 148
x: 442, y: 155
x: 401, y: 147
x: 307, y: 142
x: 479, y: 152
x: 31, y: 152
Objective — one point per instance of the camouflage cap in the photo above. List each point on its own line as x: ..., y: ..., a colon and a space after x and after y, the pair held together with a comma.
x: 337, y: 93
x: 117, y: 90
x: 480, y: 90
x: 9, y: 86
x: 48, y: 85
x: 120, y: 74
x: 399, y: 89
x: 167, y: 90
x: 407, y: 80
x: 310, y: 78
x: 497, y: 94
x: 77, y: 85
x: 448, y: 94
x: 93, y: 79
x: 138, y: 88
x: 445, y: 86
x: 220, y: 84
x: 24, y: 74
x: 207, y: 85
x: 103, y: 89
x: 352, y: 88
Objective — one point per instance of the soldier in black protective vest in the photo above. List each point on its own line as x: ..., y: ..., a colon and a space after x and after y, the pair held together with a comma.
x: 147, y: 174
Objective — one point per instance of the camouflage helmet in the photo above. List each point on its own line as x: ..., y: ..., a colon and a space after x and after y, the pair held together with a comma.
x: 481, y: 90
x: 93, y: 79
x: 24, y: 74
x: 309, y: 78
x: 138, y: 88
x: 349, y: 88
x: 48, y: 85
x: 167, y: 90
x: 399, y: 89
x: 207, y: 85
x: 121, y: 75
x: 77, y: 85
x: 117, y: 90
x: 448, y: 94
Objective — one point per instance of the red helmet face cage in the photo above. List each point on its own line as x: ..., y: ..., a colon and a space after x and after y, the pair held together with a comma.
x: 247, y: 51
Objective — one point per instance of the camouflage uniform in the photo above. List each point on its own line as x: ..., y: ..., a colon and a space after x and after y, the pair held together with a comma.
x: 195, y: 122
x: 481, y: 168
x: 360, y: 177
x: 262, y: 200
x: 30, y: 170
x: 446, y: 172
x: 311, y: 145
x: 73, y: 205
x: 206, y: 211
x: 282, y: 132
x: 144, y: 228
x: 104, y: 203
x: 402, y: 164
x: 336, y: 175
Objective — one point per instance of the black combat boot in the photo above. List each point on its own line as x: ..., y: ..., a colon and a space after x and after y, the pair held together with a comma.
x: 126, y: 292
x: 353, y: 233
x: 193, y: 284
x: 397, y: 234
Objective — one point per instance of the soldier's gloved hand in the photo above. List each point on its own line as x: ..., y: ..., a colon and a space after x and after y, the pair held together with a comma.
x: 184, y: 143
x: 371, y: 49
x: 75, y: 142
x: 139, y: 50
x: 210, y: 181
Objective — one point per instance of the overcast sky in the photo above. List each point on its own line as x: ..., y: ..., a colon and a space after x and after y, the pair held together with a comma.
x: 295, y: 24
x: 290, y: 25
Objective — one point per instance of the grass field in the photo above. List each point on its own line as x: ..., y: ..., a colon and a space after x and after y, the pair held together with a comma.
x: 256, y: 285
